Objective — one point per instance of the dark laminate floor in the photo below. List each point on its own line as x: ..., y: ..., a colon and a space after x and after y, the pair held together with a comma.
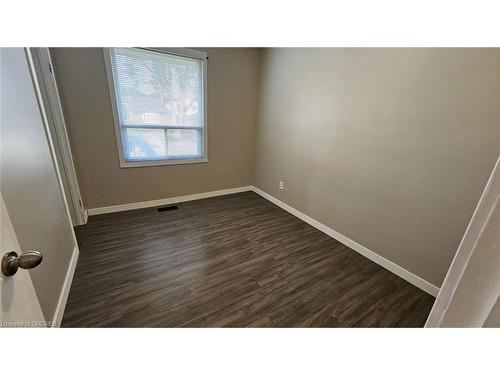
x: 231, y: 261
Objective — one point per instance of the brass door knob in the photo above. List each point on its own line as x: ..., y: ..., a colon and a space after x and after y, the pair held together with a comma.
x: 11, y: 261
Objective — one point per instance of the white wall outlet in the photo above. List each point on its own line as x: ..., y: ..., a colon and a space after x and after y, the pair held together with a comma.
x: 282, y: 185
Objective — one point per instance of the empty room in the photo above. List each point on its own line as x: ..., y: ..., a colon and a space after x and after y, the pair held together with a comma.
x: 252, y: 187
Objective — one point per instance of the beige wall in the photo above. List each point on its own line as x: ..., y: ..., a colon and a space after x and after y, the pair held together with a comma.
x: 232, y: 96
x: 390, y: 147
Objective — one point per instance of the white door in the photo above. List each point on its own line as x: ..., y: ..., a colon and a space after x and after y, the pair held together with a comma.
x: 18, y: 305
x: 35, y: 214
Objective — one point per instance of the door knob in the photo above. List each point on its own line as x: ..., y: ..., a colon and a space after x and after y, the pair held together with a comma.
x: 11, y: 261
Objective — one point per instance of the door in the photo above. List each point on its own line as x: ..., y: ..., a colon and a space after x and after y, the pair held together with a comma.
x: 19, y: 304
x: 35, y: 215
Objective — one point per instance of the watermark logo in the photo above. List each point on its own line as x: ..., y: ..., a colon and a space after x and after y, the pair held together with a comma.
x: 27, y: 324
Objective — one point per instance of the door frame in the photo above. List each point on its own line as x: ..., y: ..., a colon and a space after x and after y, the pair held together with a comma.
x: 37, y: 81
x: 57, y: 126
x: 466, y: 248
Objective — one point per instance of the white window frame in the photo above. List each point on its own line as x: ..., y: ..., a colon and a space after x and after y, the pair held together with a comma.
x: 182, y: 52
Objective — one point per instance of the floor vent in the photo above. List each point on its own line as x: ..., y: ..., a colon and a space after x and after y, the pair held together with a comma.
x: 167, y: 208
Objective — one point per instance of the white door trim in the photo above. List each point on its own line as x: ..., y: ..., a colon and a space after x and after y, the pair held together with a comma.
x: 57, y: 127
x: 466, y: 248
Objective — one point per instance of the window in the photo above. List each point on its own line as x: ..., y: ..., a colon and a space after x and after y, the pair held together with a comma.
x: 158, y: 98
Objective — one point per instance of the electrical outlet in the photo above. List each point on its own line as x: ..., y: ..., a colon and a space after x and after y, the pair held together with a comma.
x: 282, y: 185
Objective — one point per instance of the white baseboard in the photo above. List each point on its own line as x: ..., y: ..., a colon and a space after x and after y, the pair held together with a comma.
x: 164, y: 201
x: 63, y: 298
x: 380, y: 260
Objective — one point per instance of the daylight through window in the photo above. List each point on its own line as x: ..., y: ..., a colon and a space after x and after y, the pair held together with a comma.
x: 159, y: 98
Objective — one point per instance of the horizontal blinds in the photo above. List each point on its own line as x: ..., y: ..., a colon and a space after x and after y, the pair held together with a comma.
x: 157, y: 89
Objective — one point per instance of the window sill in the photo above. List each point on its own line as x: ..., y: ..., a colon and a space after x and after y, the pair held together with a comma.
x: 157, y: 163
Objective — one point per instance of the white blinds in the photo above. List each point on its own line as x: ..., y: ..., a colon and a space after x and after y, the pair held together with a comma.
x: 155, y: 88
x: 159, y: 100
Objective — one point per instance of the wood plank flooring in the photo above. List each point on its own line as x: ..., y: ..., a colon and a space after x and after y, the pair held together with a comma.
x: 230, y: 261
